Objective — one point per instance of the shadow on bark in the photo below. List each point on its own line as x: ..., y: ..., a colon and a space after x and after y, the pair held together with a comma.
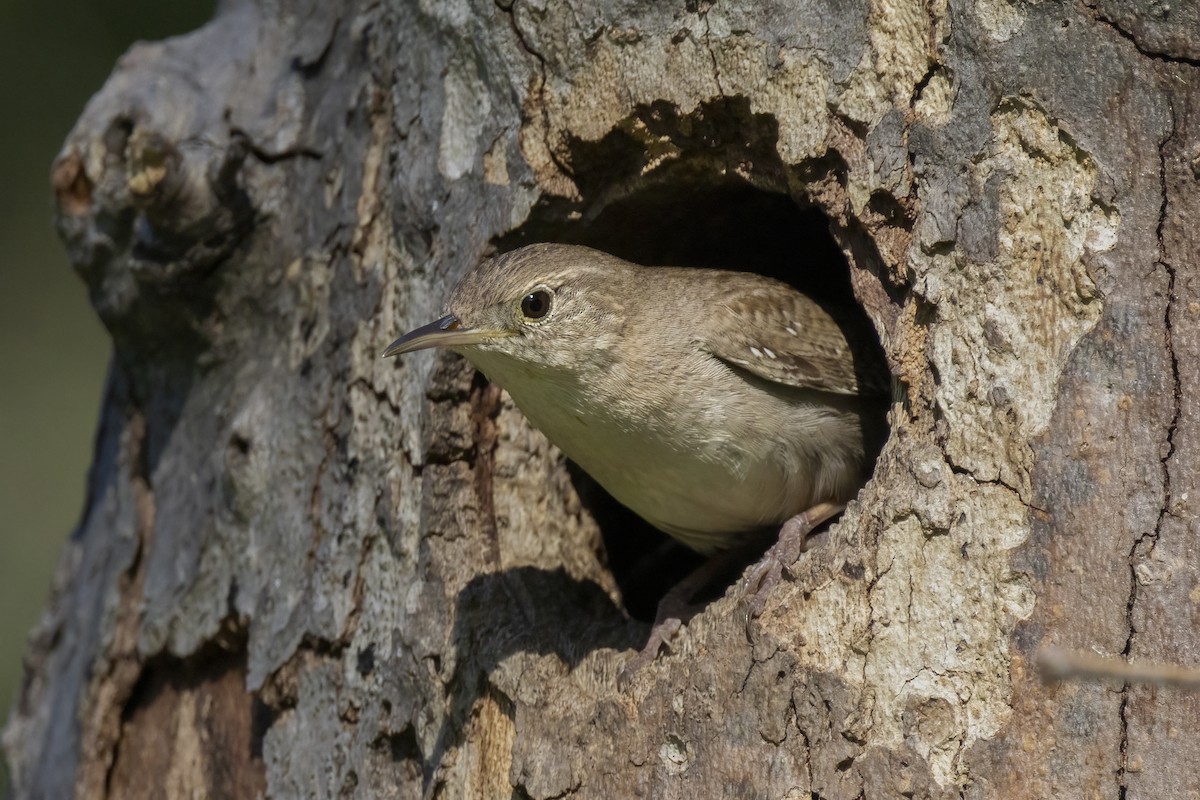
x: 523, y: 610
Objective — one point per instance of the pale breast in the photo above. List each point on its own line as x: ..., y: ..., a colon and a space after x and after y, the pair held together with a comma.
x: 700, y: 480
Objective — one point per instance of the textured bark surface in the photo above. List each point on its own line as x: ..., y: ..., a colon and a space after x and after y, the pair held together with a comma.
x: 305, y: 571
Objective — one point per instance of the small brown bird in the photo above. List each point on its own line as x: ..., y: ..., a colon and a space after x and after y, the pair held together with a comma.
x: 711, y: 403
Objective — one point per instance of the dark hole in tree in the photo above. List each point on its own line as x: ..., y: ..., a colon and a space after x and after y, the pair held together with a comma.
x: 706, y: 222
x: 723, y: 225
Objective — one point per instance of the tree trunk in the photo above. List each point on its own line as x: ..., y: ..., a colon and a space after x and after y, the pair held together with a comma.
x: 305, y: 571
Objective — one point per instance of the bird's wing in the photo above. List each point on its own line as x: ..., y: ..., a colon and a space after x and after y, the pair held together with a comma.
x: 776, y: 333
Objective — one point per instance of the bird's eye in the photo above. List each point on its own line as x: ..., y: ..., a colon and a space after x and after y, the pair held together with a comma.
x: 536, y: 304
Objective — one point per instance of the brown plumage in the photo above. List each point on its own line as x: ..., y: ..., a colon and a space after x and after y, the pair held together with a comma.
x: 711, y: 403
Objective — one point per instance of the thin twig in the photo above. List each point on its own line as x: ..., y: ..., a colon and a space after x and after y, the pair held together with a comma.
x: 1056, y: 664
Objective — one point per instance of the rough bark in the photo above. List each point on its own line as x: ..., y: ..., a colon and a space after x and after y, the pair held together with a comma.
x: 307, y: 572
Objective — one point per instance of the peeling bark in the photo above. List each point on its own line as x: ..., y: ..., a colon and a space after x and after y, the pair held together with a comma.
x: 305, y: 571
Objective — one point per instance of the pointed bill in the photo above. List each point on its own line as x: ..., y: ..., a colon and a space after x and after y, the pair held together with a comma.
x: 445, y: 332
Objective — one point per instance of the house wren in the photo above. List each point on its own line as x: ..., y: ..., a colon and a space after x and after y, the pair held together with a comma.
x: 711, y: 403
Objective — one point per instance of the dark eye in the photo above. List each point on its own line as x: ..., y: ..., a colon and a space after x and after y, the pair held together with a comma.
x: 536, y: 304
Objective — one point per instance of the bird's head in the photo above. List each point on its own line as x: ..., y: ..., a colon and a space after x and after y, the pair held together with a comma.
x: 543, y: 307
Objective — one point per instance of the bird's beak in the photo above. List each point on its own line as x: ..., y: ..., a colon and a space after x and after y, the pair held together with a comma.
x: 445, y: 332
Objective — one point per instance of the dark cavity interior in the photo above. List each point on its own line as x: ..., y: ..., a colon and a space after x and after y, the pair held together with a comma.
x: 727, y: 224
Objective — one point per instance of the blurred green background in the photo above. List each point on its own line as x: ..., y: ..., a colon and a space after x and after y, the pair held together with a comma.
x: 54, y: 54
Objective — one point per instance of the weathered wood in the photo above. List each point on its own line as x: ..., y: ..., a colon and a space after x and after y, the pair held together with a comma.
x: 310, y: 572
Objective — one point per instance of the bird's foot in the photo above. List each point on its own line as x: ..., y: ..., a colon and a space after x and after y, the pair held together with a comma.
x: 781, y: 556
x: 661, y: 634
x: 675, y: 609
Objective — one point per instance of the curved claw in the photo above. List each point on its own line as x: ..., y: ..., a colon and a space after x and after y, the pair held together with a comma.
x: 758, y: 584
x: 781, y: 556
